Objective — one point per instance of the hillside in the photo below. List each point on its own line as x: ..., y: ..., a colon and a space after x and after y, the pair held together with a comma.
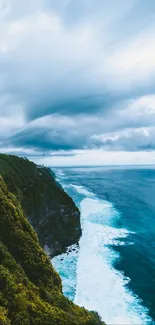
x: 49, y: 209
x: 30, y: 288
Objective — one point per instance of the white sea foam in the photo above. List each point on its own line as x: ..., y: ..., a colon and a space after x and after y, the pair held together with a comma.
x: 66, y: 265
x: 82, y: 190
x: 89, y: 276
x: 60, y: 175
x: 99, y: 286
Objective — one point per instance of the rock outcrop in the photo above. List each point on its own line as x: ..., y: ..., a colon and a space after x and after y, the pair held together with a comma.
x: 49, y: 209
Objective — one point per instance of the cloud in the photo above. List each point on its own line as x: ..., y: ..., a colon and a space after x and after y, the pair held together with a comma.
x: 128, y: 127
x: 134, y: 62
x: 56, y: 132
x: 52, y: 66
x: 77, y: 76
x: 45, y: 65
x: 128, y: 140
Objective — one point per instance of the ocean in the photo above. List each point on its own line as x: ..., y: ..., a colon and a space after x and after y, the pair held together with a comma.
x: 112, y: 271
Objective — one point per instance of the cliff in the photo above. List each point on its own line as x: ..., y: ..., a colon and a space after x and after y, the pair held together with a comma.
x: 30, y: 288
x: 49, y: 209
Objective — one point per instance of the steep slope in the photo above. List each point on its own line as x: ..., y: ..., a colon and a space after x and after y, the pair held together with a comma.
x: 30, y: 289
x: 49, y: 209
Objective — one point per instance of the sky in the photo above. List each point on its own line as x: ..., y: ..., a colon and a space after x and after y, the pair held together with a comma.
x: 77, y: 81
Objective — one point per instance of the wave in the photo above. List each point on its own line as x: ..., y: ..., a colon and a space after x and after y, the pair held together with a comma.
x: 89, y: 277
x: 82, y: 190
x: 60, y: 175
x: 99, y: 285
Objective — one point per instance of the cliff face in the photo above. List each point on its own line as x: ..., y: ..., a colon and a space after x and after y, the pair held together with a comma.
x: 49, y: 209
x: 30, y: 288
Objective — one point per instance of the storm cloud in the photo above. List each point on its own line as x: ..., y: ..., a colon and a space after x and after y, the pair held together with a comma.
x: 77, y: 76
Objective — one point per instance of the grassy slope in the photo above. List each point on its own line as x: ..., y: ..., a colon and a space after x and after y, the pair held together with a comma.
x: 30, y: 288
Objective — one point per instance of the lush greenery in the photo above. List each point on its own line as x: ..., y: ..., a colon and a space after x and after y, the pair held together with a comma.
x: 30, y: 288
x: 49, y: 209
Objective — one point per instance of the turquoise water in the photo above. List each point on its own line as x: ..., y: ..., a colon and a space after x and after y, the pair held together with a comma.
x: 113, y: 269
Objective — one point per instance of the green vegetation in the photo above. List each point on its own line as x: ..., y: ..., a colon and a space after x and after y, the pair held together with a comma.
x: 30, y: 288
x: 49, y: 209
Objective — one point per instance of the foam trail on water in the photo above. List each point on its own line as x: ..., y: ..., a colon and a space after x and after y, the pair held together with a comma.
x: 88, y: 275
x: 81, y: 190
x: 99, y: 286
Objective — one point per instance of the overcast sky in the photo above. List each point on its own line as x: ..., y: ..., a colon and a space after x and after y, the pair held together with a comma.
x: 77, y: 81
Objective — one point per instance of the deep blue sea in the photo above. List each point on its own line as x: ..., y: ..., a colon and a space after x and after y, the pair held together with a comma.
x: 113, y: 269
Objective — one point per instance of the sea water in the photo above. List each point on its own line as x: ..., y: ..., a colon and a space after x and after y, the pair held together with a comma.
x: 113, y: 269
